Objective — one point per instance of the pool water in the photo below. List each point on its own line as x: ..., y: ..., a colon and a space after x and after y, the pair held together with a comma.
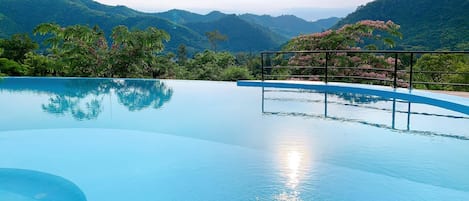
x: 129, y: 139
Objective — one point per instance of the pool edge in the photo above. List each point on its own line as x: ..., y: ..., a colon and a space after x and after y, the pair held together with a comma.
x: 450, y: 102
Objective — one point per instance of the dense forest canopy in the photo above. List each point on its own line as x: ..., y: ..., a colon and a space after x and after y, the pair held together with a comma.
x: 425, y: 24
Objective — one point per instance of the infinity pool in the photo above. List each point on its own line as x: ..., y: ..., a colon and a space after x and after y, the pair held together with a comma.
x: 144, y: 140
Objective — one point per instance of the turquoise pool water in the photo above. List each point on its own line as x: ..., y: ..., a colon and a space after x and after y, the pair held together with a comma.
x: 140, y: 140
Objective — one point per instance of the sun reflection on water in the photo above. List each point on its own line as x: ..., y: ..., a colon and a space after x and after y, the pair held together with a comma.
x: 294, y: 160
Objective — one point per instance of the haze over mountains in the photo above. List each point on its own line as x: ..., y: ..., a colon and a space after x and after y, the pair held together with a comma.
x: 425, y: 24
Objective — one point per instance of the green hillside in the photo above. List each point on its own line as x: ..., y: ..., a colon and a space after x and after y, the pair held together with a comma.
x: 242, y: 36
x: 290, y: 26
x: 23, y: 15
x: 425, y: 24
x: 286, y: 26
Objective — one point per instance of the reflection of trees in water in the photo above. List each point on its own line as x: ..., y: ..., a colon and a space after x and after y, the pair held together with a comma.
x: 62, y: 104
x: 348, y: 96
x: 83, y: 98
x: 358, y: 98
x: 137, y: 95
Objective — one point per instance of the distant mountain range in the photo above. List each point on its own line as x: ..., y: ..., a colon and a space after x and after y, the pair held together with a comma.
x: 425, y: 24
x: 246, y: 32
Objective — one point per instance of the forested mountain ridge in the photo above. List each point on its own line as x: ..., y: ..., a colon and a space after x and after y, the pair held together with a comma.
x: 244, y: 37
x: 425, y: 24
x: 21, y: 16
x: 289, y: 25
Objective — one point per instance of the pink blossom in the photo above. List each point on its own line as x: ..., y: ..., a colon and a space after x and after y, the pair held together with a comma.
x: 355, y: 59
x: 322, y: 34
x: 391, y: 60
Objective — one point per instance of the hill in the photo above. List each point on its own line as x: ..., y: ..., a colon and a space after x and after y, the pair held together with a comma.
x: 21, y: 16
x: 290, y: 26
x: 184, y: 17
x: 242, y: 36
x: 286, y: 26
x: 425, y: 24
x: 245, y: 33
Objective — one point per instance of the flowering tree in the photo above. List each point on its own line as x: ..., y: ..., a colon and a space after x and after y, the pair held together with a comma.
x: 349, y: 37
x: 346, y: 38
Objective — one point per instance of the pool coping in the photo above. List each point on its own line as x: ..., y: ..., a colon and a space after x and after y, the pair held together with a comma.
x: 451, y: 102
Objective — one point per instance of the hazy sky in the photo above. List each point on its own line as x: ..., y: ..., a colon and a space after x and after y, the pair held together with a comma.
x: 308, y: 9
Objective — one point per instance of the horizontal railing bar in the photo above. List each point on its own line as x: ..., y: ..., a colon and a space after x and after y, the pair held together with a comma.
x: 360, y: 77
x: 443, y: 72
x: 310, y: 76
x: 294, y: 67
x: 361, y: 68
x: 441, y: 83
x: 367, y: 51
x: 330, y: 67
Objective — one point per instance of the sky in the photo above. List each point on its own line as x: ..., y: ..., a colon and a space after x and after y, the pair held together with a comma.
x: 306, y: 9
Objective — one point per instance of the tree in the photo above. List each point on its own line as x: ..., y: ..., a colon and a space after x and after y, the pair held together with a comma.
x: 133, y: 51
x: 81, y: 49
x: 84, y: 51
x: 10, y: 67
x: 17, y: 46
x: 443, y: 68
x: 214, y: 37
x: 40, y: 65
x: 236, y: 73
x: 182, y: 54
x: 348, y: 37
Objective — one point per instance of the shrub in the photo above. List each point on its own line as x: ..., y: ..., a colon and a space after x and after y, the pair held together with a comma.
x: 235, y: 73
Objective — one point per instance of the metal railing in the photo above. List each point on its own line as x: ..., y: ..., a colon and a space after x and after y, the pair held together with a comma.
x: 393, y: 68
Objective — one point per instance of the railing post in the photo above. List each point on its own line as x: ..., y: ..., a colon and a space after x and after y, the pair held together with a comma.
x: 327, y: 63
x: 394, y: 113
x: 411, y: 70
x: 395, y: 70
x: 262, y: 66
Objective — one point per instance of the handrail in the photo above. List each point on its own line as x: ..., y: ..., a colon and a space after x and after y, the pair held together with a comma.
x: 369, y: 51
x: 394, y: 73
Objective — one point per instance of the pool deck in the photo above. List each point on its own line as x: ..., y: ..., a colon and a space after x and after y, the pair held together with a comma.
x: 456, y: 101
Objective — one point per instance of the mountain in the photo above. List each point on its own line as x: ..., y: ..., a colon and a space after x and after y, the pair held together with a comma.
x: 22, y: 16
x: 425, y: 24
x: 242, y: 36
x: 289, y: 25
x: 286, y: 26
x: 184, y: 17
x: 245, y: 32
